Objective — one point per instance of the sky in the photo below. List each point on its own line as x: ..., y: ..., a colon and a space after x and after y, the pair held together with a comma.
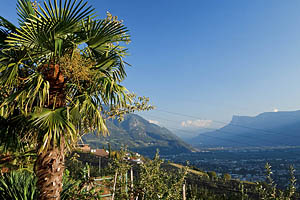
x: 207, y: 60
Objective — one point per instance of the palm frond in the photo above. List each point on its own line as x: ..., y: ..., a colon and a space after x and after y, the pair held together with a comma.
x: 52, y: 126
x: 90, y: 110
x: 48, y: 30
x: 100, y: 33
x: 6, y: 27
x: 111, y: 64
x: 25, y: 11
x: 35, y: 93
x: 4, y: 23
x: 102, y: 38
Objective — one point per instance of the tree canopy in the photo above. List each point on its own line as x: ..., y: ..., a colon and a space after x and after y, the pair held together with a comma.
x: 61, y: 71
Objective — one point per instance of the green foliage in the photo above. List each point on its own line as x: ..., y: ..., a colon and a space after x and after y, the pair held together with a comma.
x: 151, y: 180
x: 212, y: 175
x: 77, y: 161
x: 269, y: 191
x: 83, y: 188
x: 270, y: 182
x: 140, y: 136
x: 201, y: 188
x: 243, y: 190
x: 62, y: 40
x: 18, y: 185
x: 21, y: 185
x: 119, y: 168
x: 18, y: 160
x: 227, y: 177
x: 109, y: 150
x: 156, y: 183
x: 292, y: 186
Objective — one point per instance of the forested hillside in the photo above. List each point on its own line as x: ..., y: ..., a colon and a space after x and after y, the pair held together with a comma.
x: 140, y: 136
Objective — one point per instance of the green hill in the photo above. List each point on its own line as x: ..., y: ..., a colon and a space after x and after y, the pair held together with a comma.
x: 140, y: 136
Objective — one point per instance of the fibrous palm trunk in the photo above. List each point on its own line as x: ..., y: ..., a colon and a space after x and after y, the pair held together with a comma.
x: 49, y: 170
x: 54, y: 76
x: 49, y: 166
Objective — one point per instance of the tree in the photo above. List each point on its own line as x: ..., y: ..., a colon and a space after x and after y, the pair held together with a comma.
x: 212, y: 175
x: 292, y: 185
x: 157, y: 183
x: 227, y: 177
x: 60, y: 75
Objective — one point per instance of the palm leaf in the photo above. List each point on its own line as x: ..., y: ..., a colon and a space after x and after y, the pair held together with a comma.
x: 35, y: 92
x: 52, y: 125
x: 48, y: 30
x: 25, y: 11
x: 6, y: 28
x: 10, y: 27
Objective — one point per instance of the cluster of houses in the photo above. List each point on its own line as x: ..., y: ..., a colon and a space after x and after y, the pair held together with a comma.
x: 131, y: 157
x: 98, y: 152
x: 135, y: 158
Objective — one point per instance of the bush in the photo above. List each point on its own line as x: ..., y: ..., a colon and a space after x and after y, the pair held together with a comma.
x: 227, y: 177
x: 212, y: 175
x: 18, y: 185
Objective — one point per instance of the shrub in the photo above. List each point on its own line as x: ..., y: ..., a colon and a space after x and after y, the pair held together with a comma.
x: 18, y: 185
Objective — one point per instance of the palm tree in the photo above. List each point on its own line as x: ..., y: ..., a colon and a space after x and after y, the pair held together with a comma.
x: 60, y: 75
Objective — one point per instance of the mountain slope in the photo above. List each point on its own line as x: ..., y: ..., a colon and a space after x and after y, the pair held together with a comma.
x: 266, y: 129
x: 139, y: 135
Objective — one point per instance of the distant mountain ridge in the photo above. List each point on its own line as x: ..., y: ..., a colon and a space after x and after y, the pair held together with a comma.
x: 266, y: 129
x: 140, y: 136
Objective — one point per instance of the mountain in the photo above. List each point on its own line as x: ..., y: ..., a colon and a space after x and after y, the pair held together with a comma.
x: 188, y: 134
x: 140, y: 136
x: 266, y: 129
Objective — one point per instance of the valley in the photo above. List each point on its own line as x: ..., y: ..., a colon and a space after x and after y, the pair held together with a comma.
x: 245, y: 164
x: 241, y: 148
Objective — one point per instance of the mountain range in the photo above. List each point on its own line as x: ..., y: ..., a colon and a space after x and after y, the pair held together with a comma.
x: 266, y: 129
x: 139, y: 135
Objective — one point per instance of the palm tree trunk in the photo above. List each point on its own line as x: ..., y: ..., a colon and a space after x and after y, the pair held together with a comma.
x: 49, y: 170
x: 53, y: 74
x: 49, y: 166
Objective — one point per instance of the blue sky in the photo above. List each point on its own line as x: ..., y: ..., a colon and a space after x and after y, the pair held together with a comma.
x: 210, y: 59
